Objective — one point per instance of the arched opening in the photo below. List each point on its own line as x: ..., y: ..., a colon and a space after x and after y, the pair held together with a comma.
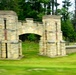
x: 30, y: 44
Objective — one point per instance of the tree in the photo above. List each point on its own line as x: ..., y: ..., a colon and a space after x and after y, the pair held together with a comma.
x: 56, y: 5
x: 49, y: 7
x: 68, y: 30
x: 51, y: 4
x: 32, y: 37
x: 10, y: 5
x: 65, y: 12
x: 74, y: 17
x: 67, y: 26
x: 75, y: 10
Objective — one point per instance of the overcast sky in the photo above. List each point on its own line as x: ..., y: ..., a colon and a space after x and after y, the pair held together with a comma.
x: 71, y: 8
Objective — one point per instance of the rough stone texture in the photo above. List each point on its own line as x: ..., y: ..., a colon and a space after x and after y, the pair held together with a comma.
x: 51, y: 43
x: 9, y: 38
x: 70, y: 49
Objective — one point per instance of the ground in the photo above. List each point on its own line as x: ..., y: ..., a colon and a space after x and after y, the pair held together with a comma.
x: 34, y: 64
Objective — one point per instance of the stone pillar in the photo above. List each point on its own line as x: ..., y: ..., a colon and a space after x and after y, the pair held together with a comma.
x: 0, y: 50
x: 51, y: 49
x: 10, y: 45
x: 9, y: 50
x: 3, y: 50
x: 62, y: 48
x: 41, y: 52
x: 20, y: 48
x: 42, y: 46
x: 14, y: 50
x: 58, y: 48
x: 54, y: 47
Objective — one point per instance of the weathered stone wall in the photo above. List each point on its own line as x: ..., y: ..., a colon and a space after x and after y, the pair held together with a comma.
x: 11, y: 24
x: 29, y: 26
x: 51, y: 42
x: 9, y: 40
x: 70, y: 49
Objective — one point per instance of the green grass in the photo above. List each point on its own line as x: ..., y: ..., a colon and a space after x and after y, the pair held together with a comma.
x: 33, y: 64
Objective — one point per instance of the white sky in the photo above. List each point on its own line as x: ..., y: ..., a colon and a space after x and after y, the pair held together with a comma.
x: 71, y: 8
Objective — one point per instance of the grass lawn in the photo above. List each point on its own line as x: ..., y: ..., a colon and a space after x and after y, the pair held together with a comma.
x: 33, y: 64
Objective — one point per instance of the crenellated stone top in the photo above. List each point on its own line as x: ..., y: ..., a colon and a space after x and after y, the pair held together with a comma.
x: 51, y: 16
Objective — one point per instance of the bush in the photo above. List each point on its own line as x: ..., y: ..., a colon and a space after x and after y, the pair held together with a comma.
x: 68, y: 30
x: 31, y: 37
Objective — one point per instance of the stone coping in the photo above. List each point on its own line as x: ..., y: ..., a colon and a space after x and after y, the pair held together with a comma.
x: 29, y: 19
x: 71, y: 47
x: 51, y: 41
x: 51, y: 16
x: 62, y: 41
x: 53, y: 31
x: 12, y: 42
x: 5, y: 12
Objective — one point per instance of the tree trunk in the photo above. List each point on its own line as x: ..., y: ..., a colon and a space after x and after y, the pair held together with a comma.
x: 49, y: 8
x: 45, y: 8
x: 75, y: 17
x: 56, y: 7
x: 52, y: 7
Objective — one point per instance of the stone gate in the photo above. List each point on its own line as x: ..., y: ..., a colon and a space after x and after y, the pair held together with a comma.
x: 51, y: 43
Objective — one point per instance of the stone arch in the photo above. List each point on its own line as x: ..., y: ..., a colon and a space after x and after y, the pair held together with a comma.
x: 29, y: 33
x: 51, y: 42
x: 39, y: 40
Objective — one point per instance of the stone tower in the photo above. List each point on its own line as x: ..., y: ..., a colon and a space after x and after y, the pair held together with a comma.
x: 51, y: 43
x: 10, y: 46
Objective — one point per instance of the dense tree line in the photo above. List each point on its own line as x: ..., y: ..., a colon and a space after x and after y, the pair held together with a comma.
x: 37, y: 8
x: 30, y: 8
x: 66, y: 22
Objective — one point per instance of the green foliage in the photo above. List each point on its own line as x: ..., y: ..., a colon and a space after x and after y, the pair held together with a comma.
x: 44, y: 1
x: 29, y: 8
x: 29, y: 37
x: 37, y: 9
x: 32, y: 37
x: 67, y: 26
x: 40, y: 15
x: 64, y: 10
x: 59, y: 11
x: 68, y: 30
x: 33, y: 64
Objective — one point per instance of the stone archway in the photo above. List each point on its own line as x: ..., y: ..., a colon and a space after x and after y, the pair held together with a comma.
x: 27, y: 36
x: 34, y: 44
x: 51, y: 42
